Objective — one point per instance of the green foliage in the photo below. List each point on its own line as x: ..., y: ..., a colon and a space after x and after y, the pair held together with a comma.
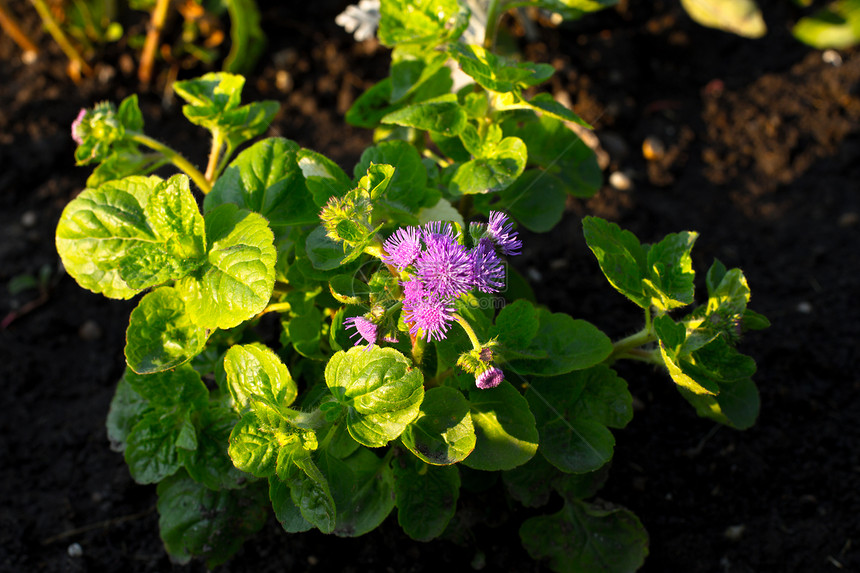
x: 365, y: 407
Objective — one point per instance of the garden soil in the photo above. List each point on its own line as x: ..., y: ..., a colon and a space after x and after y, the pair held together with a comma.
x: 752, y: 143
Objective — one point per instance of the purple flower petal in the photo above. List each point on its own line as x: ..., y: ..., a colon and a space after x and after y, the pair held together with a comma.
x: 501, y: 231
x: 76, y: 127
x: 445, y: 267
x: 430, y: 315
x: 489, y: 378
x: 363, y: 328
x: 402, y: 247
x: 487, y: 268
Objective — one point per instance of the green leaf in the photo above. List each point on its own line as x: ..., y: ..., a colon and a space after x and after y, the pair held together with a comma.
x: 255, y: 373
x: 741, y: 17
x: 151, y: 449
x: 531, y: 483
x: 126, y: 408
x: 421, y: 22
x: 179, y: 386
x: 669, y: 282
x: 129, y: 115
x: 97, y: 229
x: 286, y: 511
x: 213, y: 102
x: 266, y: 178
x: 546, y: 104
x: 426, y: 497
x: 413, y: 66
x: 559, y: 152
x: 237, y: 280
x: 310, y: 492
x: 171, y: 212
x: 264, y: 442
x: 323, y: 252
x: 836, y: 26
x: 620, y: 256
x: 348, y: 289
x: 587, y: 537
x: 410, y: 176
x: 247, y: 40
x: 568, y: 344
x: 497, y: 168
x: 124, y: 163
x: 497, y: 73
x: 380, y: 389
x: 443, y: 433
x: 536, y: 200
x: 573, y: 411
x: 737, y: 405
x: 441, y: 114
x: 362, y: 486
x: 505, y: 429
x: 517, y: 324
x: 160, y: 333
x: 210, y: 464
x: 573, y: 9
x: 323, y: 177
x: 197, y: 521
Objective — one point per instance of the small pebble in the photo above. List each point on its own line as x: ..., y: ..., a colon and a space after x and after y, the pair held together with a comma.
x: 557, y: 264
x: 29, y: 57
x: 621, y: 181
x: 653, y: 149
x: 534, y: 274
x: 312, y: 560
x: 831, y: 57
x: 283, y: 80
x: 848, y: 219
x: 734, y: 532
x: 804, y: 307
x: 90, y: 330
x: 75, y: 550
x: 28, y: 219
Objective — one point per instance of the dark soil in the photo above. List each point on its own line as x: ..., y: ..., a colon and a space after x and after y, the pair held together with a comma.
x: 761, y: 155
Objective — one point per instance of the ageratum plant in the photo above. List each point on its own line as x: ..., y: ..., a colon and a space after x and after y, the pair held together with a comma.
x: 411, y: 356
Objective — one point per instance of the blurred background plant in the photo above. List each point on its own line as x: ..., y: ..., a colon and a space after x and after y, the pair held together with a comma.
x: 177, y: 34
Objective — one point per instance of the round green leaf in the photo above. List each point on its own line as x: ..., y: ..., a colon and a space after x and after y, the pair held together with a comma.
x: 236, y: 281
x: 426, y: 497
x: 443, y: 433
x: 160, y: 334
x: 255, y: 372
x: 505, y: 429
x: 380, y: 389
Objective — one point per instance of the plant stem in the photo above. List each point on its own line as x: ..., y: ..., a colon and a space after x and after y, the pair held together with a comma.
x: 10, y: 25
x: 153, y: 34
x: 628, y: 347
x: 54, y: 30
x: 274, y: 307
x: 494, y: 14
x: 177, y: 159
x: 476, y: 344
x: 214, y: 154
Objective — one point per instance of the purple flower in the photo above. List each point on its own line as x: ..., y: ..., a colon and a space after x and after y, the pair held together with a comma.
x: 364, y: 328
x: 487, y: 268
x: 489, y: 378
x: 435, y: 229
x: 76, y: 127
x: 445, y: 267
x: 402, y: 247
x: 430, y: 314
x: 501, y: 231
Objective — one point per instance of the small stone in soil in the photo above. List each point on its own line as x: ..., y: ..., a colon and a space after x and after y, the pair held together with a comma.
x: 621, y: 181
x: 90, y: 330
x: 734, y: 532
x: 653, y: 149
x: 804, y: 307
x: 831, y: 57
x: 312, y: 560
x: 848, y: 219
x: 28, y: 219
x: 75, y: 550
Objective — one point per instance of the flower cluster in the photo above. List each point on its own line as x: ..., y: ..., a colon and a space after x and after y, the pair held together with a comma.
x: 441, y: 268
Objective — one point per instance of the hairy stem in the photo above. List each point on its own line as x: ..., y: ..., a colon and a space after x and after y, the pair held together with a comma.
x: 214, y: 154
x: 494, y: 14
x: 476, y: 344
x: 177, y: 159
